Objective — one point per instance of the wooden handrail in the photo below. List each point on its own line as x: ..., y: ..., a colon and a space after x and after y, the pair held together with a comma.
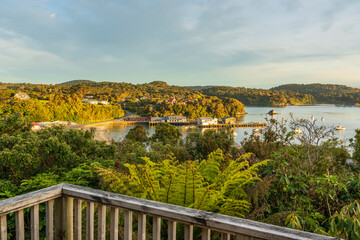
x: 68, y: 211
x: 214, y: 221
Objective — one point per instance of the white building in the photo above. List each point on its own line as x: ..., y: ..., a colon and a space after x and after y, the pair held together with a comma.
x: 207, y: 121
x: 175, y: 119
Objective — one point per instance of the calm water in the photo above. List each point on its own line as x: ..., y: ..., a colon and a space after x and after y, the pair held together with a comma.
x: 349, y: 117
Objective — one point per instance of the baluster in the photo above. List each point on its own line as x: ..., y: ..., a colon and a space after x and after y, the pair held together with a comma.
x: 78, y: 221
x: 19, y: 219
x: 68, y: 219
x: 225, y: 236
x: 3, y: 227
x: 189, y: 232
x: 141, y: 226
x: 243, y: 237
x: 90, y: 221
x: 114, y: 223
x: 206, y: 233
x: 127, y: 225
x: 171, y: 230
x: 59, y: 229
x: 50, y: 220
x: 156, y: 228
x: 101, y: 222
x: 35, y: 222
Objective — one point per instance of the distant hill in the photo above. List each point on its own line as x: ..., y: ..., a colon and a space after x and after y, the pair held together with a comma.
x: 73, y: 82
x: 325, y: 93
x: 198, y: 88
x: 260, y: 97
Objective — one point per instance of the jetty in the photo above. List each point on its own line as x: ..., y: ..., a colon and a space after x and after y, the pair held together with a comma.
x: 234, y: 125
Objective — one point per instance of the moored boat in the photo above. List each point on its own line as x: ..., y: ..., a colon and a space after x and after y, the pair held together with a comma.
x: 340, y: 128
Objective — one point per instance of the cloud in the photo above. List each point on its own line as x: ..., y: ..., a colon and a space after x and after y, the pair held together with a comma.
x: 181, y: 41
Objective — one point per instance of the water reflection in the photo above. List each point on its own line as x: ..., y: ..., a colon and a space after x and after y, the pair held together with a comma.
x: 329, y: 115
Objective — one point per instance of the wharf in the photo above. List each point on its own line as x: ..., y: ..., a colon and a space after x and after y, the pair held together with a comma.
x: 234, y: 125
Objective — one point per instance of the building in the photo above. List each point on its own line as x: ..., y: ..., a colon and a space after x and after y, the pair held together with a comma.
x: 158, y: 119
x: 175, y: 119
x: 35, y: 126
x: 190, y: 100
x: 228, y: 120
x: 136, y: 119
x: 171, y: 100
x: 92, y: 101
x: 103, y: 102
x: 207, y: 121
x: 22, y: 96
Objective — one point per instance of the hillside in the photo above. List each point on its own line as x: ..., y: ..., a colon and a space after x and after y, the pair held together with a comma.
x: 65, y: 102
x: 74, y: 82
x: 260, y: 97
x: 325, y: 93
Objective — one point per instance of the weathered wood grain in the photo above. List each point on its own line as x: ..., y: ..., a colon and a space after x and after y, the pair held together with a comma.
x: 114, y: 223
x: 90, y: 221
x: 19, y: 221
x: 50, y: 220
x: 141, y: 226
x: 30, y: 199
x: 101, y: 222
x: 3, y: 227
x: 171, y: 230
x: 216, y: 222
x: 35, y: 222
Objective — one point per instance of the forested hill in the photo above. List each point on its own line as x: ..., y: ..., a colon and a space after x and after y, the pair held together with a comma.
x: 326, y: 93
x: 260, y: 97
x: 73, y: 82
x: 70, y: 101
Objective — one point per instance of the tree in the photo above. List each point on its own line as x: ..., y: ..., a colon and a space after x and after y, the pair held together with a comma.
x: 167, y: 133
x: 138, y: 134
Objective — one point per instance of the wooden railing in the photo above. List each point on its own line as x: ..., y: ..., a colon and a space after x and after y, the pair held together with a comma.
x: 64, y: 204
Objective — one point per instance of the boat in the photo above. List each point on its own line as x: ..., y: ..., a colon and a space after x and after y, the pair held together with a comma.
x: 272, y: 112
x: 340, y: 128
x: 298, y: 131
x: 256, y: 130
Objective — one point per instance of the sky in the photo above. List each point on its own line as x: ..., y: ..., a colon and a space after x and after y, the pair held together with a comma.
x: 245, y: 43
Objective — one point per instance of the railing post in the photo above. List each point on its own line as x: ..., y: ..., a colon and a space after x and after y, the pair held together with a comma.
x: 156, y: 228
x: 59, y: 229
x: 64, y: 226
x: 90, y: 221
x: 78, y: 221
x: 127, y: 225
x: 50, y: 220
x: 19, y: 219
x: 141, y: 226
x: 3, y: 227
x: 101, y: 222
x: 171, y: 230
x: 225, y: 236
x: 206, y: 233
x: 35, y: 222
x: 189, y: 232
x: 114, y: 223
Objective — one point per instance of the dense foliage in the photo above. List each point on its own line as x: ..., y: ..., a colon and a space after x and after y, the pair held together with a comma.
x: 325, y: 93
x: 306, y: 185
x: 64, y: 102
x: 260, y: 97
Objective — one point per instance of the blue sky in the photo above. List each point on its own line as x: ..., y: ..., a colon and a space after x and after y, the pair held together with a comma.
x: 250, y: 43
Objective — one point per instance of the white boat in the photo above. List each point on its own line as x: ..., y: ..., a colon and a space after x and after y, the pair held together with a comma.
x: 298, y: 131
x: 256, y: 130
x: 340, y: 128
